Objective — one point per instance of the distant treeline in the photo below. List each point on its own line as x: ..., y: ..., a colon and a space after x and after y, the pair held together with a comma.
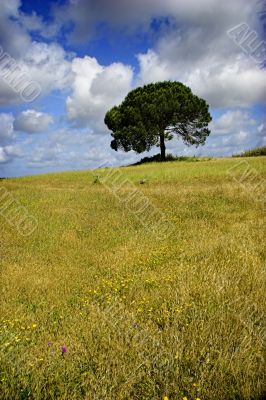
x: 258, y: 151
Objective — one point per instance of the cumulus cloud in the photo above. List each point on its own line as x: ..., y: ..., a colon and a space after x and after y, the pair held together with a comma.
x: 46, y: 64
x: 233, y: 122
x: 49, y: 65
x: 195, y: 48
x: 32, y: 121
x: 8, y: 149
x: 6, y: 128
x: 3, y: 156
x: 75, y: 148
x: 14, y: 150
x: 14, y: 38
x: 16, y: 26
x: 95, y: 89
x: 85, y: 15
x: 204, y: 57
x: 233, y: 132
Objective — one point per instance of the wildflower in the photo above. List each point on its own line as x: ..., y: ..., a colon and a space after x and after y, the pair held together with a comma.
x: 50, y: 343
x: 184, y: 398
x: 34, y: 326
x: 165, y: 398
x: 63, y: 349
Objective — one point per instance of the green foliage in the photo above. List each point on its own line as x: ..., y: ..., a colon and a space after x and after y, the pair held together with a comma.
x: 96, y: 179
x: 152, y: 114
x: 258, y: 151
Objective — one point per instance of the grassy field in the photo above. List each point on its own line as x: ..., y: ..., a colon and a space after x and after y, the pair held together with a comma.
x: 97, y: 304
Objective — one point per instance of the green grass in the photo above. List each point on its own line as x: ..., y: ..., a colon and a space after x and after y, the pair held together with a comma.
x: 143, y: 316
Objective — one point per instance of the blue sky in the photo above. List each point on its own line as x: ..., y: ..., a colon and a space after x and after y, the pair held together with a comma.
x: 83, y: 56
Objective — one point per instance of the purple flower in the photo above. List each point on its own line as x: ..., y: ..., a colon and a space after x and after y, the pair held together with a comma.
x: 50, y: 343
x: 63, y: 349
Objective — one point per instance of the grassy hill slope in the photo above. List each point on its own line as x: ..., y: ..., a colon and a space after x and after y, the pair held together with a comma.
x: 148, y: 305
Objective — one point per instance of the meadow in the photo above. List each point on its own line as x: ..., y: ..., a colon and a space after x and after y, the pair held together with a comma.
x: 95, y: 304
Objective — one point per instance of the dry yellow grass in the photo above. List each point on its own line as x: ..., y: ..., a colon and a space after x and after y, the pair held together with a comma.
x: 142, y: 316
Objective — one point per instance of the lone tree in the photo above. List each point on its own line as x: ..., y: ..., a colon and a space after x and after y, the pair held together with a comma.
x: 151, y: 114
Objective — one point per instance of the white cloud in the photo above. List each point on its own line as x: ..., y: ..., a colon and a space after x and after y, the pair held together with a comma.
x: 235, y: 85
x: 15, y: 28
x: 214, y: 68
x: 35, y: 23
x: 14, y: 150
x: 75, y: 148
x: 8, y: 148
x: 95, y: 89
x: 135, y: 15
x: 6, y: 127
x: 46, y: 156
x: 196, y: 49
x: 3, y: 156
x: 14, y: 38
x: 32, y: 121
x: 49, y: 65
x: 232, y: 122
x: 46, y: 64
x: 233, y: 132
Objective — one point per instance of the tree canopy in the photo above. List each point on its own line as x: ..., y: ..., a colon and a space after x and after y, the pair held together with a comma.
x: 152, y: 114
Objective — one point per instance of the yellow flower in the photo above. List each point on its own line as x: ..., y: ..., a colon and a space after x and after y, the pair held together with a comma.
x: 165, y: 398
x: 34, y: 326
x: 184, y: 398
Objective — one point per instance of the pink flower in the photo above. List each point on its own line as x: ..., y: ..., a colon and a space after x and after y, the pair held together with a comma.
x: 63, y: 349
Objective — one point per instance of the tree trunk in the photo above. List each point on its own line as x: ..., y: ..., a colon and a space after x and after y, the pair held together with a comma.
x: 162, y: 147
